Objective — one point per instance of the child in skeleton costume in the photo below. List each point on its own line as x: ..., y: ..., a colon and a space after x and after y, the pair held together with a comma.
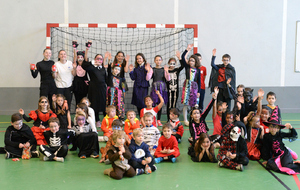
x: 278, y: 157
x: 85, y: 139
x: 160, y: 76
x: 176, y: 124
x: 233, y: 151
x: 192, y: 84
x: 40, y: 117
x: 17, y: 137
x: 119, y: 155
x: 197, y: 124
x: 60, y: 108
x: 151, y: 133
x: 131, y: 123
x: 219, y: 75
x: 116, y: 126
x: 141, y: 159
x: 57, y: 140
x: 114, y: 93
x: 167, y: 148
x: 172, y: 84
x: 275, y: 111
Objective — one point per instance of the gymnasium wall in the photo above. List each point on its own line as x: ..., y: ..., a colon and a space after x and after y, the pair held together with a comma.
x: 259, y: 35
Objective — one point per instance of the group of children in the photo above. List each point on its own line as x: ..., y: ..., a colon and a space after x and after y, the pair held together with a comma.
x: 249, y: 131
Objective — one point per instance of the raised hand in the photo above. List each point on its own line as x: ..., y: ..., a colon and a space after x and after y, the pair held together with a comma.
x: 74, y: 44
x: 216, y: 90
x: 178, y: 55
x: 109, y: 56
x: 147, y: 67
x: 88, y: 44
x: 130, y: 67
x: 127, y: 58
x: 260, y: 93
x: 157, y: 92
x: 214, y: 51
x: 106, y: 55
x: 21, y: 111
x: 189, y: 47
x: 166, y: 68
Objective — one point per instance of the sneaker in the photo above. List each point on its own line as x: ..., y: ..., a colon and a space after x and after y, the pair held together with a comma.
x: 148, y: 169
x: 98, y: 124
x: 173, y: 159
x: 35, y: 154
x: 186, y: 123
x: 157, y: 160
x: 220, y: 164
x: 83, y: 156
x: 139, y: 171
x: 95, y: 155
x: 45, y: 158
x: 240, y: 167
x: 60, y: 159
x: 159, y: 123
x: 7, y: 155
x: 155, y: 168
x: 107, y: 162
x: 179, y: 140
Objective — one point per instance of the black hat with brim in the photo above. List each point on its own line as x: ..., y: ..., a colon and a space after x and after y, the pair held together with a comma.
x: 267, y: 123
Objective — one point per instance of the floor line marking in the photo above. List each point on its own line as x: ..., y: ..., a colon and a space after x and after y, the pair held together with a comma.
x: 282, y: 183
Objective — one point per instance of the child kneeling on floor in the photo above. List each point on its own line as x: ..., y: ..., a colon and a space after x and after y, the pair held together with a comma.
x: 119, y: 155
x: 141, y: 159
x: 57, y: 140
x: 167, y: 148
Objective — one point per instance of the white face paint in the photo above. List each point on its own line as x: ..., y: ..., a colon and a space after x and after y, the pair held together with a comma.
x: 235, y: 133
x: 116, y: 70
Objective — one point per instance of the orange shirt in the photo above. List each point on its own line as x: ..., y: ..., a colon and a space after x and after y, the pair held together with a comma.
x: 106, y: 125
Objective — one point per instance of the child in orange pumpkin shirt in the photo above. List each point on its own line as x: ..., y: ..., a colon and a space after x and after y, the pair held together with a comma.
x: 107, y: 121
x: 131, y: 123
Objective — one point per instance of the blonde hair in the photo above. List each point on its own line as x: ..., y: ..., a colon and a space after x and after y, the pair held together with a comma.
x: 110, y: 108
x: 148, y: 114
x: 129, y: 111
x: 137, y: 131
x: 118, y: 133
x: 79, y: 113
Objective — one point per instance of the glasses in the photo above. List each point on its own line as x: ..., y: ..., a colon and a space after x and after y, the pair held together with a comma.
x: 99, y: 59
x: 44, y: 102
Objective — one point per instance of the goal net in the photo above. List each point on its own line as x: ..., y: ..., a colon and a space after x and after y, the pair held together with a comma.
x: 149, y: 39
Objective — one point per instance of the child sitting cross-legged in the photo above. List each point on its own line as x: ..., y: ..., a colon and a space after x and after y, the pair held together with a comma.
x: 151, y: 133
x: 116, y: 126
x: 141, y: 159
x: 57, y: 140
x: 119, y: 155
x: 85, y: 139
x: 19, y: 136
x: 167, y: 148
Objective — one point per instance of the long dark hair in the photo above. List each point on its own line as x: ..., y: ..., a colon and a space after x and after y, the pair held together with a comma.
x: 198, y: 148
x: 142, y: 55
x: 116, y: 60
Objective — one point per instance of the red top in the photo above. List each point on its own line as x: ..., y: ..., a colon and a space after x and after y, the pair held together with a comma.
x: 154, y: 111
x: 221, y: 76
x: 170, y: 143
x: 217, y: 121
x: 203, y: 74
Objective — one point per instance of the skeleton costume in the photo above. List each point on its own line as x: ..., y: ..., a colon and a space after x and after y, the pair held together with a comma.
x: 235, y: 144
x: 57, y: 143
x: 173, y: 88
x: 114, y: 93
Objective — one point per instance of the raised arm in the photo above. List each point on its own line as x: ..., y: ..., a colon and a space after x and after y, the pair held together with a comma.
x: 75, y: 45
x: 213, y: 59
x: 149, y: 71
x: 88, y: 45
x: 160, y: 105
x: 214, y: 114
x: 260, y: 97
x: 166, y: 73
x: 127, y: 62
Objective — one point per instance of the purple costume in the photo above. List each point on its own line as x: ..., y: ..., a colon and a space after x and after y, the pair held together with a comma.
x: 140, y: 86
x: 159, y: 83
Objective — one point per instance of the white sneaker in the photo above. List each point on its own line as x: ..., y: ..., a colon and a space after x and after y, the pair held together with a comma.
x: 45, y: 158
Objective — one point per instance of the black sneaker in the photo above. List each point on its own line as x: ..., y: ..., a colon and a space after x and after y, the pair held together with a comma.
x: 35, y: 154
